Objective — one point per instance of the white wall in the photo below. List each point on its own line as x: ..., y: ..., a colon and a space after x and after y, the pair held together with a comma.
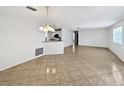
x: 116, y: 48
x: 67, y: 37
x: 18, y: 40
x: 93, y: 37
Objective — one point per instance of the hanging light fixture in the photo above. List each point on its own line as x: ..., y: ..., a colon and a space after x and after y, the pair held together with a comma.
x: 47, y: 27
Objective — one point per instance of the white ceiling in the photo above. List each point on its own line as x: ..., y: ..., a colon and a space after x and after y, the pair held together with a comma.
x: 70, y: 17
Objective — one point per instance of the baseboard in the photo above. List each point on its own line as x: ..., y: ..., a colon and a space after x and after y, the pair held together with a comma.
x: 116, y: 55
x: 68, y: 45
x: 94, y: 46
x: 21, y: 62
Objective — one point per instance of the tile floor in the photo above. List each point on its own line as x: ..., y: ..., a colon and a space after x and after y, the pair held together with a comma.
x: 87, y: 66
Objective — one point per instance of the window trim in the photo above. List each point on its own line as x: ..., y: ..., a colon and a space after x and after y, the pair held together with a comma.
x: 113, y: 36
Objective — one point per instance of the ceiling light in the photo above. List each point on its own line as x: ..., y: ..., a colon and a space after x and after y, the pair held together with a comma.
x: 47, y: 27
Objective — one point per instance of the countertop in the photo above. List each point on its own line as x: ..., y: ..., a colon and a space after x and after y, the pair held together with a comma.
x: 52, y: 41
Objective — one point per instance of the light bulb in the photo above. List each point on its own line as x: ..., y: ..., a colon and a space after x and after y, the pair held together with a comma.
x: 41, y: 28
x: 51, y: 29
x: 45, y: 29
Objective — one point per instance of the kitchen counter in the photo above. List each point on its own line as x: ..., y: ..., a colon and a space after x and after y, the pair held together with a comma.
x: 53, y: 47
x: 53, y: 41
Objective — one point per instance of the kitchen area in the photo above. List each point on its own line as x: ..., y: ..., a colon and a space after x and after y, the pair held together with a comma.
x: 53, y: 43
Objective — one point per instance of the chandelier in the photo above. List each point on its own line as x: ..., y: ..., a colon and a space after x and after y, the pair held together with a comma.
x: 47, y: 27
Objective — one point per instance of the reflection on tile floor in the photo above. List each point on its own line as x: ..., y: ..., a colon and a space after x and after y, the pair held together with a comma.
x: 87, y: 66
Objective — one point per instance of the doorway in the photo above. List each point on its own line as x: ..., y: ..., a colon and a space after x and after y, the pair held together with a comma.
x: 76, y: 37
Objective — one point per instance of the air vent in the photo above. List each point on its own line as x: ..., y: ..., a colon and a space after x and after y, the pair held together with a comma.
x: 31, y: 8
x: 38, y: 51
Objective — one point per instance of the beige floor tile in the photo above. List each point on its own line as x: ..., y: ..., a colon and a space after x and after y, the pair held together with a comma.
x: 87, y: 66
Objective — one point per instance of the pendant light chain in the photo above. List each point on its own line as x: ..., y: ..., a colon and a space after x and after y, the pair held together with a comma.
x: 47, y: 8
x: 47, y: 27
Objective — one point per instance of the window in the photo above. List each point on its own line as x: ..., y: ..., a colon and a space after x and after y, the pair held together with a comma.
x: 117, y: 35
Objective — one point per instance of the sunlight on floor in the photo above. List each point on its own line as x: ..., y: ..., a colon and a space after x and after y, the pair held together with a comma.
x: 54, y: 71
x: 48, y: 70
x: 73, y: 48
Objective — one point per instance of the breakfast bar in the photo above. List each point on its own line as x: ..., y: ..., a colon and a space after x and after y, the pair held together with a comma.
x: 53, y: 47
